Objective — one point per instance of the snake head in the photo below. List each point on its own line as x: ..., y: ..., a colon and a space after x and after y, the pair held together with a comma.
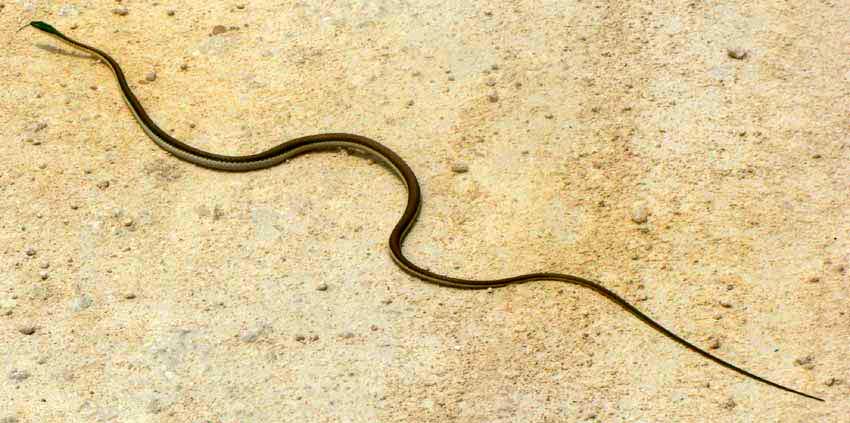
x: 43, y: 26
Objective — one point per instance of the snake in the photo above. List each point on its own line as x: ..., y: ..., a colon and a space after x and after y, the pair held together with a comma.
x: 297, y: 146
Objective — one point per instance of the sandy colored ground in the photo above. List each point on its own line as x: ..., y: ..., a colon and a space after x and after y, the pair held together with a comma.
x: 139, y: 288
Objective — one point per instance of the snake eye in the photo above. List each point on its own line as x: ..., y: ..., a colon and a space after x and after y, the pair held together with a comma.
x: 44, y: 27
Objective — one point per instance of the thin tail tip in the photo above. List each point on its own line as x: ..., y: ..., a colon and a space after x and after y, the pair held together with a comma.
x: 805, y: 395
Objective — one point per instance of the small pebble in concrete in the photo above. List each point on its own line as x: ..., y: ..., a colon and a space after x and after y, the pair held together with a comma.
x: 69, y: 10
x: 814, y: 279
x: 218, y: 212
x: 806, y: 362
x: 322, y: 287
x: 300, y: 338
x: 150, y: 76
x: 120, y: 11
x: 31, y: 252
x: 729, y: 404
x: 81, y: 303
x: 27, y: 329
x: 18, y: 375
x: 830, y: 381
x: 640, y: 213
x: 725, y: 304
x: 737, y: 53
x: 493, y: 97
x: 43, y: 275
x: 155, y: 406
x: 129, y: 296
x: 250, y: 336
x: 713, y: 343
x: 170, y: 12
x: 460, y: 168
x: 219, y: 29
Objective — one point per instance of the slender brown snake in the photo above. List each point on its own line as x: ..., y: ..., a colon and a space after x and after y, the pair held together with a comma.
x: 297, y: 146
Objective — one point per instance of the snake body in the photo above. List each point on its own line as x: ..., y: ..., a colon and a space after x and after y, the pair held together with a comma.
x: 297, y: 146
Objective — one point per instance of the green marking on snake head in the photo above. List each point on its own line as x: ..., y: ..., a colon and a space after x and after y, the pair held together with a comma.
x: 45, y: 27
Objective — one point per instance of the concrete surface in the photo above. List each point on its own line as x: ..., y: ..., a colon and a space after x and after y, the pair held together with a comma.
x: 139, y: 288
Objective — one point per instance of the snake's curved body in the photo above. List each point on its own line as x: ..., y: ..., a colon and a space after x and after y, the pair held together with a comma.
x: 297, y: 146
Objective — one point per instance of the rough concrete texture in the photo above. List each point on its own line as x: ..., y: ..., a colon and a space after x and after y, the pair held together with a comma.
x: 692, y: 156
